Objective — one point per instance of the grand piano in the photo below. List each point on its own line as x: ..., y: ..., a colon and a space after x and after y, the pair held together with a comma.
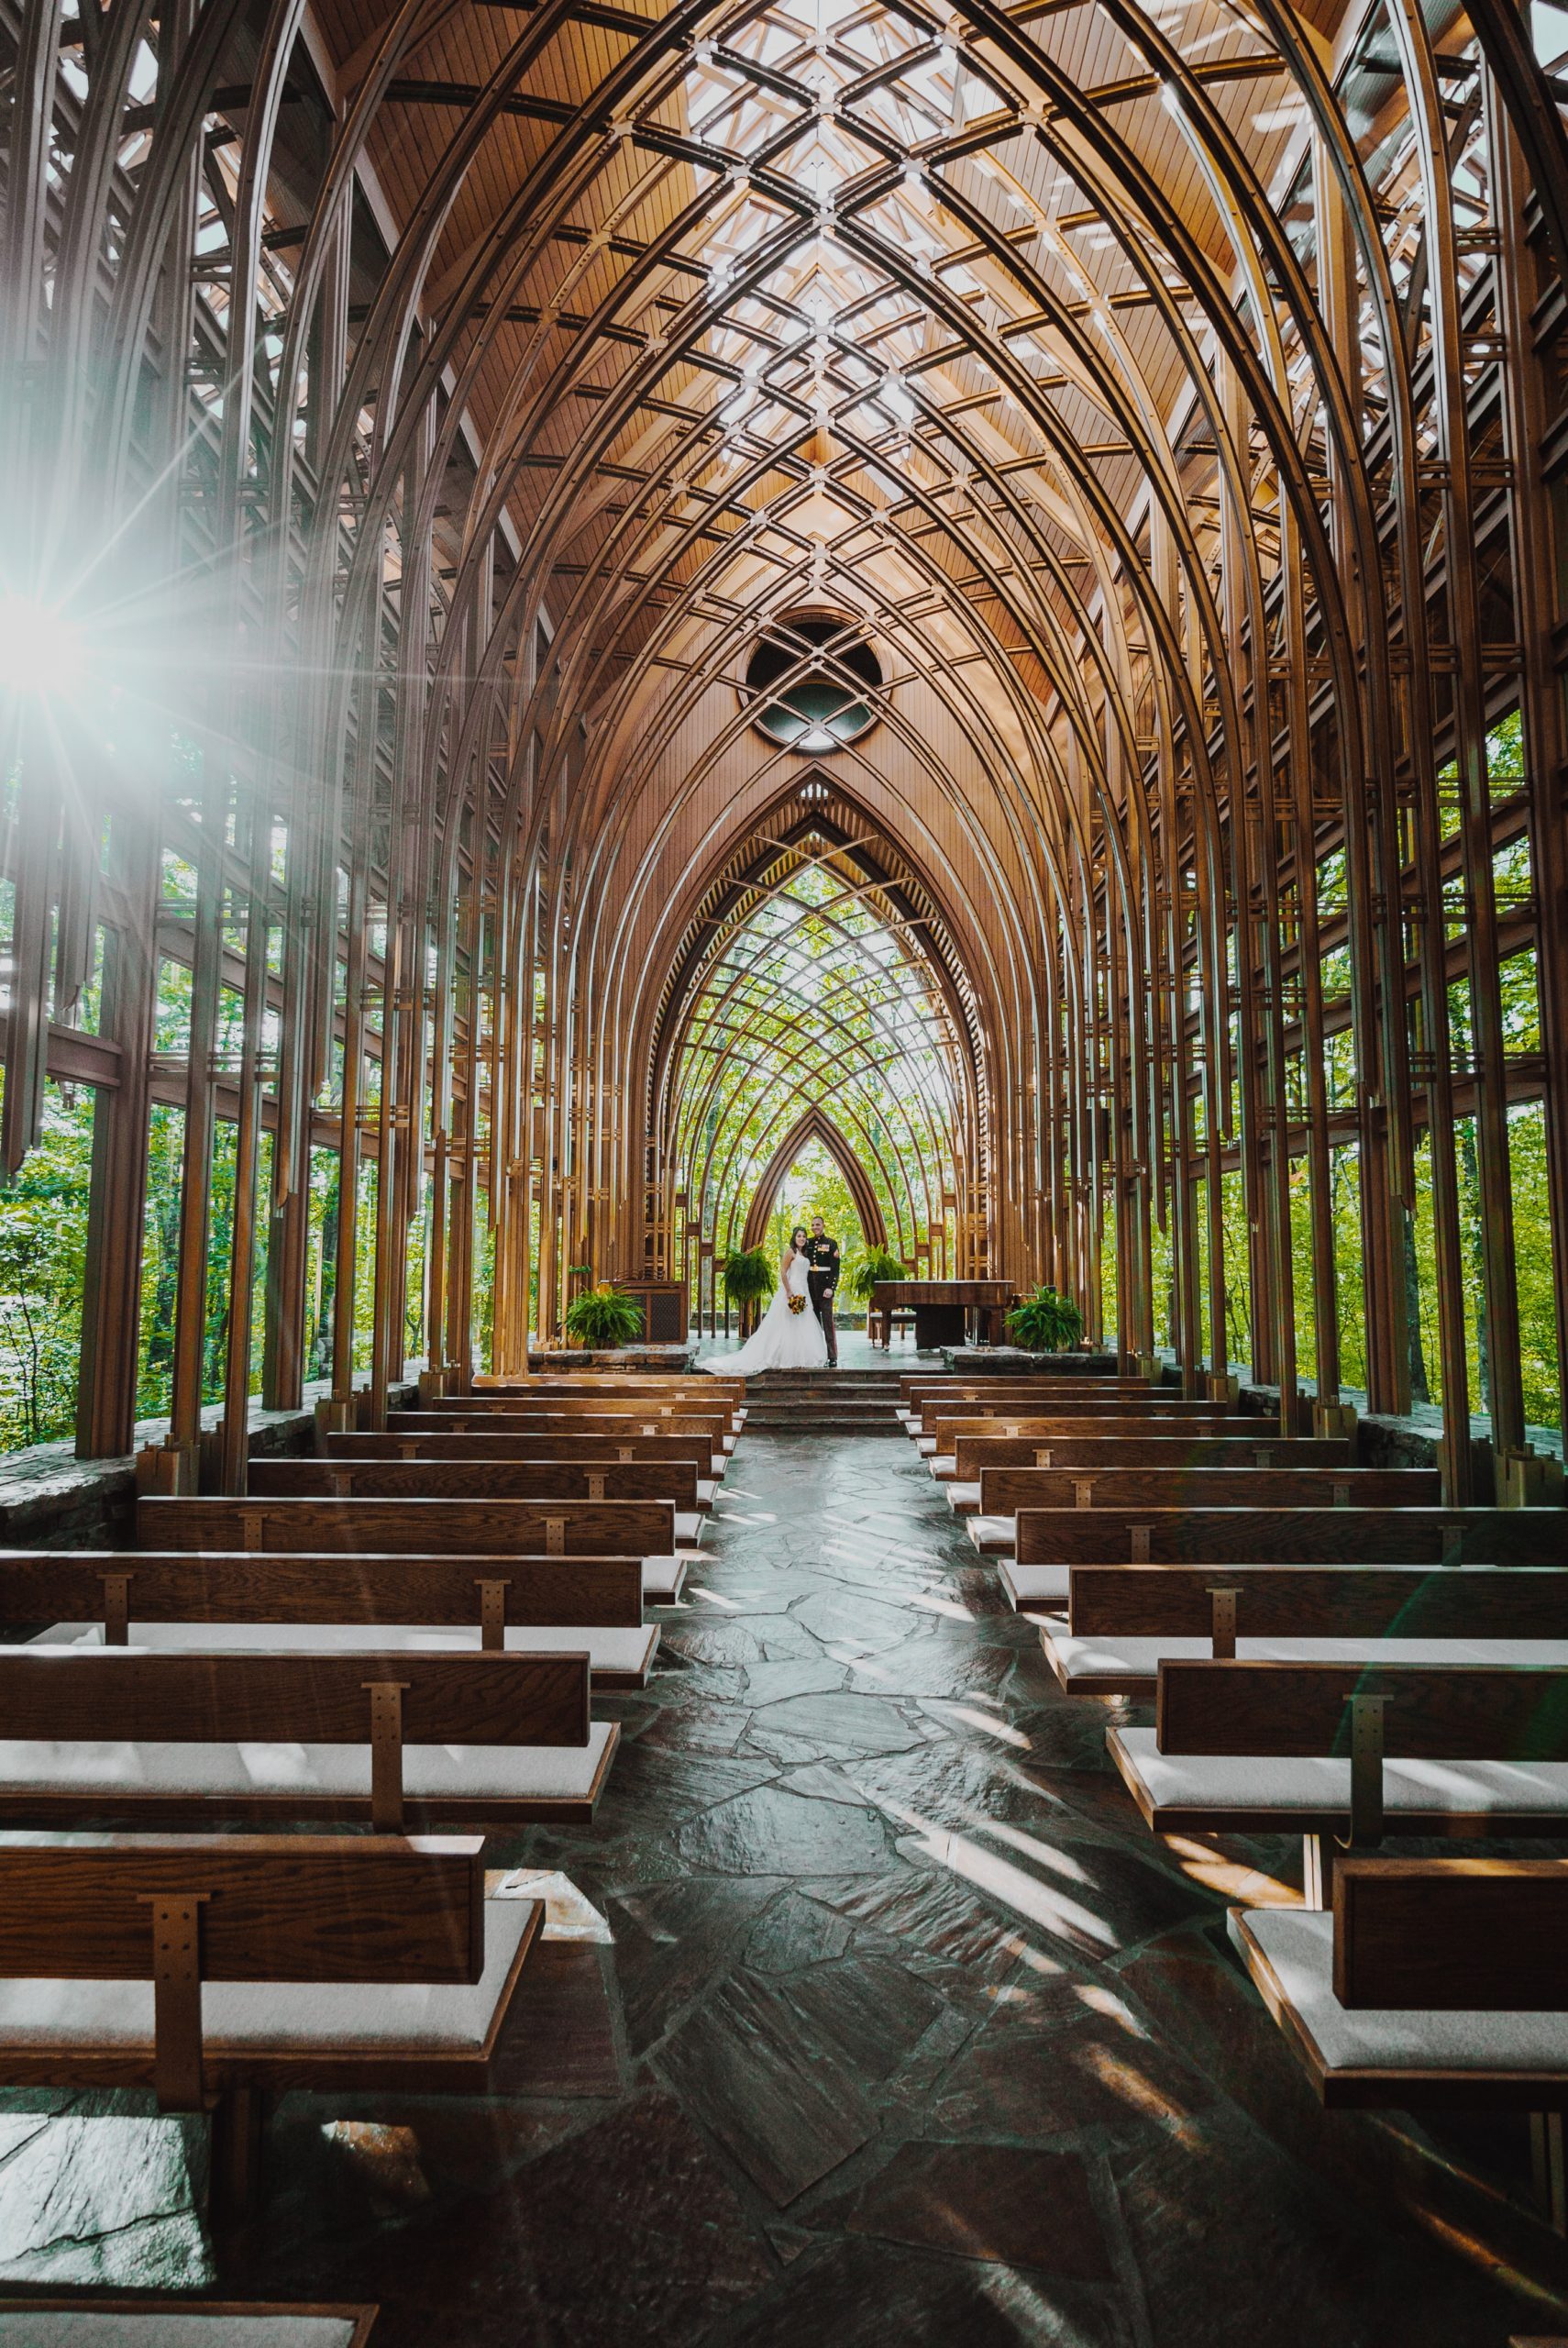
x: 942, y: 1310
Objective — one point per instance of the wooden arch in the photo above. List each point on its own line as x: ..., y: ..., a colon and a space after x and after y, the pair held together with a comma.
x: 815, y: 1126
x: 1148, y: 425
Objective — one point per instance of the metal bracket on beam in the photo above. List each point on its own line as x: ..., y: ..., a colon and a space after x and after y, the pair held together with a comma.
x: 116, y: 1609
x: 386, y: 1753
x: 1223, y: 1623
x: 493, y: 1613
x: 177, y: 1998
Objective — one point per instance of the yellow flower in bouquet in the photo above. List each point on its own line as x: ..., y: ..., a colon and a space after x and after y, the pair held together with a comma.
x: 797, y: 1305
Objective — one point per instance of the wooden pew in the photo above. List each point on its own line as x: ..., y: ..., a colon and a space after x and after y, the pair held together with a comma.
x: 699, y: 1398
x: 502, y: 1479
x: 537, y: 1605
x: 657, y: 1411
x: 341, y: 1963
x: 611, y: 1382
x: 412, y: 1527
x: 1070, y: 1411
x: 1434, y: 1983
x: 1005, y: 1491
x: 611, y: 1425
x: 1043, y: 1394
x: 583, y: 1451
x: 1050, y: 1541
x: 440, y: 1528
x: 944, y: 1435
x: 916, y: 1382
x: 1124, y: 1622
x: 703, y: 1390
x: 972, y: 1453
x: 1328, y: 1750
x: 92, y: 2318
x: 397, y: 1740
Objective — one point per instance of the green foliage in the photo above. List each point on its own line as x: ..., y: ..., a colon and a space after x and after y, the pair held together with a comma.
x: 160, y: 1261
x: 43, y: 1254
x: 748, y: 1275
x: 837, y: 1007
x: 875, y: 1265
x: 1044, y: 1321
x: 815, y: 1185
x: 603, y: 1316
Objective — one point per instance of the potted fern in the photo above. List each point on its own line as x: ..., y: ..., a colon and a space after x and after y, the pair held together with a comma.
x: 747, y: 1277
x: 604, y: 1317
x: 874, y: 1266
x: 1044, y: 1321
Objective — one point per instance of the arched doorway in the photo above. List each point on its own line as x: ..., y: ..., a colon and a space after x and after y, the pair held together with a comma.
x: 814, y: 1127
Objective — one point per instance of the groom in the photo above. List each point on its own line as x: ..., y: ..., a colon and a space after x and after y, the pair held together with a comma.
x: 822, y: 1253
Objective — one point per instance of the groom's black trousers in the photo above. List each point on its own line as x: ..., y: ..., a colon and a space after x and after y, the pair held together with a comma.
x: 822, y: 1301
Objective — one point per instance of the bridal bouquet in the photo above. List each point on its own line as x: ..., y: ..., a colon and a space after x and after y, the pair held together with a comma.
x: 797, y: 1305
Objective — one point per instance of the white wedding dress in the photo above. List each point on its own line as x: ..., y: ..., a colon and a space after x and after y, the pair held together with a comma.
x: 784, y: 1340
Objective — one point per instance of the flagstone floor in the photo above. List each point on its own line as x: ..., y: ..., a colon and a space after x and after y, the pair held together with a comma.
x: 907, y: 2032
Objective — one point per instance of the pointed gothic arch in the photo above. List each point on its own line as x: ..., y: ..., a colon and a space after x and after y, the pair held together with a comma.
x: 815, y: 1126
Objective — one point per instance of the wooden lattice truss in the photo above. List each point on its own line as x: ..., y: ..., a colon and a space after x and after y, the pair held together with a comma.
x: 423, y: 415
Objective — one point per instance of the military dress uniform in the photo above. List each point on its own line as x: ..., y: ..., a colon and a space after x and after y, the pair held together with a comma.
x: 822, y: 1282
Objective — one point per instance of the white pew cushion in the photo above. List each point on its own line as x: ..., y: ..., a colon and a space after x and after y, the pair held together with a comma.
x: 964, y: 1499
x: 607, y: 1649
x: 237, y: 2016
x: 1121, y: 1657
x: 1033, y: 1585
x: 663, y: 1581
x: 707, y: 1491
x: 1316, y: 1783
x: 688, y: 1525
x: 944, y: 1469
x: 1299, y: 1946
x: 88, y: 2327
x: 496, y: 1772
x: 988, y: 1532
x: 926, y: 1446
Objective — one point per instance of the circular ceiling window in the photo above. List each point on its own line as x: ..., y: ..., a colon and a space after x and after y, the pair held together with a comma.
x: 814, y: 683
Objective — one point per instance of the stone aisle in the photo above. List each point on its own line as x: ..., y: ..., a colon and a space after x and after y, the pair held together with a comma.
x: 907, y: 2034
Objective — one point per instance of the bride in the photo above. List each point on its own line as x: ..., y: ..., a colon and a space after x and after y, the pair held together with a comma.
x: 789, y: 1335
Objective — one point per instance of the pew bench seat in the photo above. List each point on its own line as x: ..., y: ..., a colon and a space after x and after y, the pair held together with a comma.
x: 963, y: 1499
x: 1412, y: 2059
x: 992, y: 1535
x: 664, y: 1578
x: 1210, y: 1793
x: 1129, y: 1665
x: 418, y: 2036
x: 151, y: 2319
x: 618, y: 1660
x: 467, y: 1787
x: 425, y: 2038
x: 1034, y: 1589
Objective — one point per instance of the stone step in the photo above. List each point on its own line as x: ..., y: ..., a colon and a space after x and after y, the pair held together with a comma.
x: 843, y: 1406
x: 822, y: 1422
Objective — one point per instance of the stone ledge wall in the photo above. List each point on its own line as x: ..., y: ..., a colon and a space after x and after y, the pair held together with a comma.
x: 51, y: 1500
